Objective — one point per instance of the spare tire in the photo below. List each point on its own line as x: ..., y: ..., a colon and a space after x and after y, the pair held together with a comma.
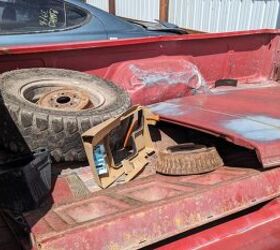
x: 188, y: 159
x: 52, y: 107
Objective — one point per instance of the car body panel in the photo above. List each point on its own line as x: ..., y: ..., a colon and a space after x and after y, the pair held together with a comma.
x: 160, y: 78
x: 216, y: 56
x: 99, y: 25
x: 126, y: 217
x: 256, y: 230
x: 246, y: 117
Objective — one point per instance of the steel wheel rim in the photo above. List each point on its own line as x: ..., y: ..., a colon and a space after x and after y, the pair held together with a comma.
x: 59, y: 95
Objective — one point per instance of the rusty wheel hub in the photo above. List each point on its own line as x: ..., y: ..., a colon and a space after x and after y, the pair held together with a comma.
x: 66, y: 99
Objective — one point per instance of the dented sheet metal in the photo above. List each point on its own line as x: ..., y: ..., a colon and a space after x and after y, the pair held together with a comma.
x: 157, y: 79
x: 150, y: 209
x: 248, y: 117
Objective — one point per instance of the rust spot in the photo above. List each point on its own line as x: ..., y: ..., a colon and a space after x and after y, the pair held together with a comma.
x: 114, y: 246
x: 178, y: 223
x: 5, y: 51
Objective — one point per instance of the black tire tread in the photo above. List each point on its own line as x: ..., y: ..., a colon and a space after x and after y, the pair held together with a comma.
x: 61, y: 133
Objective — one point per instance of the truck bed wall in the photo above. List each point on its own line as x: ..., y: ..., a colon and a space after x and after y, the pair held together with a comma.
x: 247, y: 56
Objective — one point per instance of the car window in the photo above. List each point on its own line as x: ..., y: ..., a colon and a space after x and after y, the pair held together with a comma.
x: 30, y: 15
x: 74, y: 16
x: 23, y: 16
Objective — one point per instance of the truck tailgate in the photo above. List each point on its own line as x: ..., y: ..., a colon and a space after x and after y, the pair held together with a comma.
x: 150, y: 209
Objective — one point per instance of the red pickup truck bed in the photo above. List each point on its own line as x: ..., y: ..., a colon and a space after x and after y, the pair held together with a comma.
x: 156, y: 207
x: 148, y: 210
x: 153, y: 208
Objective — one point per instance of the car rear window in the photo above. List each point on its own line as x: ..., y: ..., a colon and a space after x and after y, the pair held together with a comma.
x: 74, y: 16
x: 23, y: 16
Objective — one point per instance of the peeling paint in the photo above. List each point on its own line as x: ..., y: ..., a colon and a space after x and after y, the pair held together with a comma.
x: 167, y: 109
x: 189, y: 76
x: 158, y: 79
x: 144, y: 223
x: 257, y: 128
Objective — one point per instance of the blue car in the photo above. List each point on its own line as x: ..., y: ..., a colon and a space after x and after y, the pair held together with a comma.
x: 54, y: 21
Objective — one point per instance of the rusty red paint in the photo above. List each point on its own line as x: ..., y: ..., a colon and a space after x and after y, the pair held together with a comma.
x: 129, y: 216
x: 247, y: 117
x: 94, y: 44
x: 123, y: 217
x: 247, y: 56
x: 4, y: 51
x: 153, y: 80
x: 257, y: 230
x: 62, y: 191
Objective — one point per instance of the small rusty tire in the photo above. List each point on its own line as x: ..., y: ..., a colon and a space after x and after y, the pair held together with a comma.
x: 188, y: 159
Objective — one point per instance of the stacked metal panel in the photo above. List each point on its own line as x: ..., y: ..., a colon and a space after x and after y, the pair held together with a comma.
x: 205, y: 15
x: 225, y: 15
x: 138, y: 9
